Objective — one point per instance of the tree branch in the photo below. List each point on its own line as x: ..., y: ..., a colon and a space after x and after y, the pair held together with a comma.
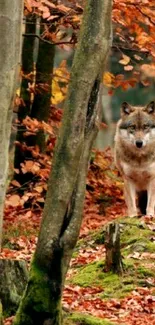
x: 45, y: 41
x: 114, y: 46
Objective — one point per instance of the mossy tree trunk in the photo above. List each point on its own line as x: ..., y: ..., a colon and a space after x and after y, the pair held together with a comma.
x: 10, y: 41
x: 62, y: 215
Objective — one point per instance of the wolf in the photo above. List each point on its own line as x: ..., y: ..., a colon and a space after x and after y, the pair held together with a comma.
x: 134, y: 155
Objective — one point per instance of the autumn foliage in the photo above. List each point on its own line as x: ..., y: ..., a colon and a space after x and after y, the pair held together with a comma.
x: 134, y: 46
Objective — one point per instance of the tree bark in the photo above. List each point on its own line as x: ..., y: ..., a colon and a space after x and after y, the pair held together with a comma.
x: 62, y: 215
x: 10, y: 43
x: 1, y: 314
x: 13, y: 279
x: 42, y: 100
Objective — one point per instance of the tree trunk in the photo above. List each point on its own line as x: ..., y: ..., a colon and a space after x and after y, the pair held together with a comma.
x: 112, y: 245
x: 42, y: 99
x: 37, y: 57
x: 25, y: 106
x: 13, y: 279
x: 10, y: 42
x: 1, y: 314
x: 62, y: 215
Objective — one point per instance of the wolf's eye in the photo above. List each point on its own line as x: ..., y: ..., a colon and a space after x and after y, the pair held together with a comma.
x: 132, y: 128
x: 145, y: 126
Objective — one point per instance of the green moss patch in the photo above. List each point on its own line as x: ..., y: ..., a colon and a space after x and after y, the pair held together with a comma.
x: 33, y: 307
x: 113, y: 285
x: 136, y: 237
x: 82, y: 319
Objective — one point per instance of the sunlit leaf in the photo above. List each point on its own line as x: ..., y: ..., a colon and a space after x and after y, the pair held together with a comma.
x: 108, y: 79
x: 125, y: 59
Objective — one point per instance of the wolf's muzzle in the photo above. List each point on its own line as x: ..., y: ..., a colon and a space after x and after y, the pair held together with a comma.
x: 139, y: 143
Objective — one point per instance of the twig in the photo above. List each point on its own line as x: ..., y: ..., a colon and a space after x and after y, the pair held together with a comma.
x: 45, y: 41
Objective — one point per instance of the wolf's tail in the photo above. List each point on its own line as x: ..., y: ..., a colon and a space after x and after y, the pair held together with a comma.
x: 142, y: 201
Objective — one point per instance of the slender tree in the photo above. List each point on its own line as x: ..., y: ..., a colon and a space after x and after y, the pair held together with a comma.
x: 41, y: 303
x: 42, y: 100
x: 37, y: 60
x: 24, y: 108
x: 10, y: 44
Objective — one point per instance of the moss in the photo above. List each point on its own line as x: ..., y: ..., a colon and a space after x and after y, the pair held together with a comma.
x: 113, y: 285
x: 150, y: 247
x: 94, y: 275
x: 88, y: 275
x: 99, y: 238
x: 144, y: 272
x: 135, y: 236
x: 108, y: 278
x: 1, y: 314
x: 39, y: 302
x: 75, y: 254
x: 81, y: 319
x: 131, y: 234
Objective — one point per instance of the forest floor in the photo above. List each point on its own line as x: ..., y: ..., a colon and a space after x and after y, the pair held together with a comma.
x: 93, y: 296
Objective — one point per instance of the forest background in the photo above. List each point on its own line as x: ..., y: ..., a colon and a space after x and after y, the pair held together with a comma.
x: 50, y: 33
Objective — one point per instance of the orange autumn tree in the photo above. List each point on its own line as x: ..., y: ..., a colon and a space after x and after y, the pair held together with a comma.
x: 134, y: 30
x: 133, y: 45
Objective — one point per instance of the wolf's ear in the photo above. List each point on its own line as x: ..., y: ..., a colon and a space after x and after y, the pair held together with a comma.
x: 126, y: 109
x: 150, y: 108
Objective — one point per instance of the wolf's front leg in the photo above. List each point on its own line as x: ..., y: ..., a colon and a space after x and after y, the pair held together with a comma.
x: 130, y: 197
x: 150, y: 209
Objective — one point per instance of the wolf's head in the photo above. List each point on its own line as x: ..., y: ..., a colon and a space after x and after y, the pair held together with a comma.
x: 137, y: 125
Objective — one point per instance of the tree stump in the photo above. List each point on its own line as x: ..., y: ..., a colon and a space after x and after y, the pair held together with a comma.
x: 13, y: 279
x: 112, y: 245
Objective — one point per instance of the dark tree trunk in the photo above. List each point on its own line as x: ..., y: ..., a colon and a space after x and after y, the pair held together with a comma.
x: 62, y: 215
x: 112, y: 245
x: 25, y: 107
x: 39, y: 60
x: 42, y: 99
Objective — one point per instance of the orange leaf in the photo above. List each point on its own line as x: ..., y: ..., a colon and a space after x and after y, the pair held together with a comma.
x: 13, y: 200
x: 39, y: 189
x: 128, y: 68
x: 108, y: 79
x: 125, y: 60
x: 15, y: 183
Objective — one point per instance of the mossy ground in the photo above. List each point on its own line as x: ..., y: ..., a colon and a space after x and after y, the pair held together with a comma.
x: 81, y: 319
x: 136, y: 239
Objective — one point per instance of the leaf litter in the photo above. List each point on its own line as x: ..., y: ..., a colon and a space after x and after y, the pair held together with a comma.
x: 103, y: 203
